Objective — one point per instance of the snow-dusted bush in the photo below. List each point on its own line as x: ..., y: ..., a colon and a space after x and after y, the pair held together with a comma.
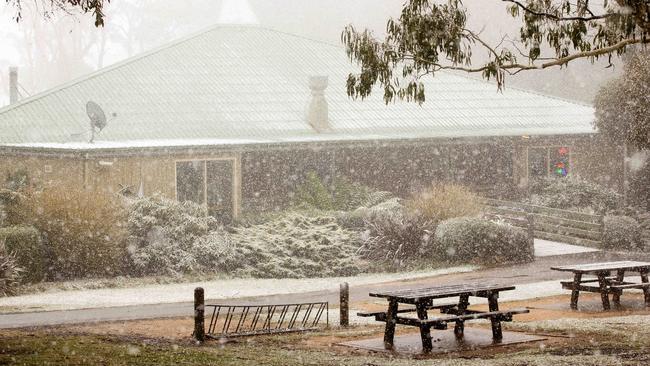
x: 573, y: 194
x: 83, y: 231
x: 295, y: 245
x: 10, y: 273
x: 15, y: 208
x: 357, y: 219
x: 443, y: 201
x: 164, y: 235
x: 25, y: 243
x: 621, y: 233
x: 477, y: 240
x: 395, y: 236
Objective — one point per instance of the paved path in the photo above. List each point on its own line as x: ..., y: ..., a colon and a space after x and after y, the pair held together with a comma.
x: 531, y: 273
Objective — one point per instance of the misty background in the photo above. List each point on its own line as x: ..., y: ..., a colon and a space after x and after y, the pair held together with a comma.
x: 50, y: 51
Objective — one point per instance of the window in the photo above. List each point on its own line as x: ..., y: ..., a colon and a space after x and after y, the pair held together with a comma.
x: 209, y: 183
x: 548, y: 162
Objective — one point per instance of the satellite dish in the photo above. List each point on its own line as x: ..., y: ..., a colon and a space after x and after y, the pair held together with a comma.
x: 97, y: 118
x: 96, y: 115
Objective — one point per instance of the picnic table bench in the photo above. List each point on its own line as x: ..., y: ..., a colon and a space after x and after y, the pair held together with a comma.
x: 605, y: 283
x: 453, y: 312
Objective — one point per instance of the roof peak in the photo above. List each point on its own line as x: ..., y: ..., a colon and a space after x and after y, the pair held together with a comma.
x: 236, y: 12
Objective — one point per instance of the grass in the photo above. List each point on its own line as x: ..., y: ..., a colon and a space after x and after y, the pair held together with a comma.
x: 593, y: 345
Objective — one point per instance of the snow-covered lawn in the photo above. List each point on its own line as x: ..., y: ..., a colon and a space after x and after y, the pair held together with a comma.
x: 221, y: 289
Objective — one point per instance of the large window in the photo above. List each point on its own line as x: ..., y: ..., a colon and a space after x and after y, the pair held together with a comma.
x: 207, y: 182
x: 548, y: 161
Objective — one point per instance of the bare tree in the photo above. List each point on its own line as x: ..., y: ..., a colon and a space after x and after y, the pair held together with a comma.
x: 49, y: 7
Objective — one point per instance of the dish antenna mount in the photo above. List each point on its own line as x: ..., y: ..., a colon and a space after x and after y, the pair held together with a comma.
x: 97, y: 118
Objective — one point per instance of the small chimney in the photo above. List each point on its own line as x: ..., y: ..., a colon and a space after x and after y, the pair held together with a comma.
x: 317, y: 115
x: 13, y: 85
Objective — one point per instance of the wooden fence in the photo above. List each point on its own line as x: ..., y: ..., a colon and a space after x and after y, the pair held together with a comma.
x: 549, y: 223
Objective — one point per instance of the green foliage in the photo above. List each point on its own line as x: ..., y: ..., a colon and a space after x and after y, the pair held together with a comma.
x: 430, y: 36
x: 622, y: 104
x: 573, y: 194
x: 621, y: 233
x: 295, y: 245
x: 342, y: 194
x: 476, y: 240
x: 10, y: 273
x: 25, y: 243
x: 312, y: 193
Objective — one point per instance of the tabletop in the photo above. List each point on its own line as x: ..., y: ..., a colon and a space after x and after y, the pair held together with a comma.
x: 605, y: 266
x: 437, y: 292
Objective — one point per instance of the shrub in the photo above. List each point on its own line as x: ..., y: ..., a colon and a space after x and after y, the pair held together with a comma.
x: 358, y: 218
x: 444, y: 201
x: 342, y: 194
x: 295, y: 245
x: 476, y: 240
x: 83, y: 231
x: 573, y: 193
x: 15, y: 206
x: 621, y: 233
x: 395, y: 236
x: 639, y: 191
x: 9, y: 273
x: 312, y: 193
x: 163, y: 234
x: 26, y: 245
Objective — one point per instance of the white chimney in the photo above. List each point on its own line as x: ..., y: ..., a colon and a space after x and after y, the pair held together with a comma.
x: 317, y: 114
x: 13, y: 85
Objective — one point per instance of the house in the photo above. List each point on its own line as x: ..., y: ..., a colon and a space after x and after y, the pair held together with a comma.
x: 233, y: 118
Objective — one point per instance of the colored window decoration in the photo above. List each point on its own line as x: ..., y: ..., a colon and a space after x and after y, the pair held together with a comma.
x: 559, y: 161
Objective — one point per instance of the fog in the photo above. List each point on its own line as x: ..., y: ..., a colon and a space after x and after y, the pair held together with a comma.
x: 53, y: 50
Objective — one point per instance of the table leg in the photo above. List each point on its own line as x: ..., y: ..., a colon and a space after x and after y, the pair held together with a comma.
x: 616, y: 298
x: 463, y: 303
x: 604, y: 292
x: 389, y: 333
x: 575, y: 293
x: 646, y: 291
x: 493, y: 302
x: 425, y: 330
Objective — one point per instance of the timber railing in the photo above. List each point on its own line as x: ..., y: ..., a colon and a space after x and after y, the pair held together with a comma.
x: 549, y: 223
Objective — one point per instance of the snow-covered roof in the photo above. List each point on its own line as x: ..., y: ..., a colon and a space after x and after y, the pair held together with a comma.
x: 246, y: 84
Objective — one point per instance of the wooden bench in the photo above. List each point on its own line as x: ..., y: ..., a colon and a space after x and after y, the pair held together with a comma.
x: 605, y: 283
x: 449, y: 313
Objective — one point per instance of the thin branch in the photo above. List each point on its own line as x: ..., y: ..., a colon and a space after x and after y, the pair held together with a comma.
x: 559, y: 18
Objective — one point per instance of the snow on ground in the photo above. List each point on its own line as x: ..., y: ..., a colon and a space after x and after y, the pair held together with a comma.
x: 547, y: 248
x: 221, y: 289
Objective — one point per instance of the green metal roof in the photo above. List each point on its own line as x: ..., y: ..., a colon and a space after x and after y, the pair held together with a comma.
x: 247, y: 85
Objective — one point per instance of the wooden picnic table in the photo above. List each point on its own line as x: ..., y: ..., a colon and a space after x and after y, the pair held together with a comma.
x: 455, y: 312
x: 606, y: 282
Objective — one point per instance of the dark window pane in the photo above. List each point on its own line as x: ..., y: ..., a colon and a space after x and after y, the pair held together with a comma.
x: 189, y: 181
x: 219, y: 188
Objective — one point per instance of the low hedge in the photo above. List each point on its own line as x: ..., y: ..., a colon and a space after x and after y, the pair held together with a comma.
x: 24, y: 242
x: 477, y: 240
x: 621, y: 233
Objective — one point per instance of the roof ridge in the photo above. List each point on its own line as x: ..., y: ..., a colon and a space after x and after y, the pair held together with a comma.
x: 144, y: 55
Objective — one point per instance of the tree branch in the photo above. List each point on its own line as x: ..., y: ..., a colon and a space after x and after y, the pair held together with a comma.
x: 557, y: 18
